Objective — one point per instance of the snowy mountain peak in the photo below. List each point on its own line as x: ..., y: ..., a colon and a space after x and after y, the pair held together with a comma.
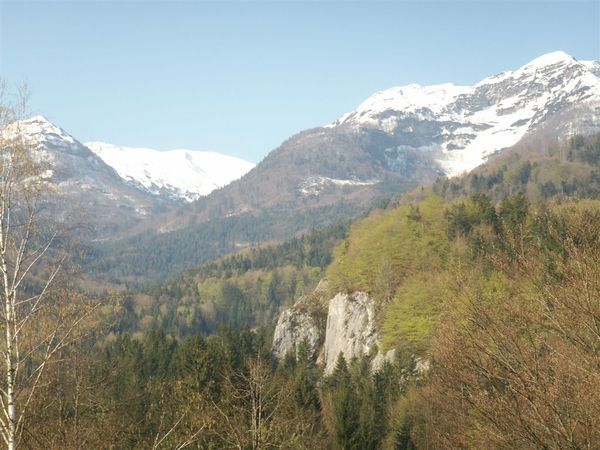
x: 551, y: 58
x: 180, y: 174
x: 42, y: 130
x: 461, y: 126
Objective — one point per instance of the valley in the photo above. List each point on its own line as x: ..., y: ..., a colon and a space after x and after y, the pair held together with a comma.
x: 423, y: 272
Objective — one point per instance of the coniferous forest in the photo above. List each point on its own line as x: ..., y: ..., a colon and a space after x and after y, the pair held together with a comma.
x: 336, y: 225
x: 491, y: 300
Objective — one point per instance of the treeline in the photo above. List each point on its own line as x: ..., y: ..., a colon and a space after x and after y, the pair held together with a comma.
x: 540, y: 171
x: 312, y: 249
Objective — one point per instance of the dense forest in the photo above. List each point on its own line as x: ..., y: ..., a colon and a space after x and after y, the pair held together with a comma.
x: 502, y: 301
x: 247, y: 289
x: 489, y: 293
x: 147, y: 258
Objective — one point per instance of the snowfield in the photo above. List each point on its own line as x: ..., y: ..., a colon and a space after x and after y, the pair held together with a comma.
x: 473, y: 122
x: 185, y: 174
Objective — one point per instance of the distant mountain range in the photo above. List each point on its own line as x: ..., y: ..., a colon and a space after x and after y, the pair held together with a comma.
x: 405, y: 136
x: 179, y: 174
x: 87, y: 190
x: 397, y: 139
x: 461, y: 126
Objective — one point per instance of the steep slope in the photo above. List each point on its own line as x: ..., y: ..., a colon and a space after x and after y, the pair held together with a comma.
x: 314, y: 179
x: 463, y: 125
x: 88, y: 192
x: 406, y: 258
x: 406, y: 136
x: 405, y: 245
x: 396, y: 140
x: 179, y: 174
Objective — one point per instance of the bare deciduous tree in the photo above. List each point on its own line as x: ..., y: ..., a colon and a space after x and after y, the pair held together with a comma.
x: 37, y: 319
x: 517, y: 365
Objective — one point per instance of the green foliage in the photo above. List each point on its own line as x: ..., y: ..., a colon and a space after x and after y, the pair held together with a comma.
x: 307, y: 377
x: 513, y: 211
x: 358, y: 402
x: 247, y: 289
x: 585, y: 149
x: 385, y: 249
x: 519, y: 334
x: 411, y: 318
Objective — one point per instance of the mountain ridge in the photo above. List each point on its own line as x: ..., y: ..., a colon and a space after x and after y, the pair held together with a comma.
x: 470, y: 123
x: 328, y: 174
x: 181, y: 174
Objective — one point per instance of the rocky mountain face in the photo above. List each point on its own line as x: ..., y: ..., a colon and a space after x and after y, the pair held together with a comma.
x: 112, y: 189
x: 394, y: 141
x: 406, y: 136
x: 461, y: 126
x: 318, y: 168
x: 87, y: 191
x: 349, y: 329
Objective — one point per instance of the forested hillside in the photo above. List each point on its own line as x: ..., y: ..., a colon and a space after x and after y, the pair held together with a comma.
x: 539, y: 170
x: 247, y: 289
x: 502, y: 301
x: 148, y: 258
x: 491, y: 300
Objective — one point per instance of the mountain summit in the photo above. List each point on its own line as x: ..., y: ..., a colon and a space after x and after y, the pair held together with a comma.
x: 395, y: 140
x: 86, y: 190
x: 180, y: 174
x: 461, y: 126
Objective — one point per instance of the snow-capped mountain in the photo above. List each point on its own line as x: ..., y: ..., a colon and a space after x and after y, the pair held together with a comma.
x: 65, y: 159
x: 403, y: 137
x: 85, y: 189
x: 180, y: 174
x: 461, y: 126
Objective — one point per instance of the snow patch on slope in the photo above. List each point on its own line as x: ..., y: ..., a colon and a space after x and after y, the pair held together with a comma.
x: 312, y: 186
x: 185, y: 174
x: 474, y: 122
x: 42, y: 131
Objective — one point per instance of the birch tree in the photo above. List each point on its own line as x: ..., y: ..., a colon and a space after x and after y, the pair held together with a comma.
x: 35, y: 318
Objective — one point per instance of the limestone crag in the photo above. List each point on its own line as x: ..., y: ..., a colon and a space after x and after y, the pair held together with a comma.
x: 294, y: 326
x: 351, y: 328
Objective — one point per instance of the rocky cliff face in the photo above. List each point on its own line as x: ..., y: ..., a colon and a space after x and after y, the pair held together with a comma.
x: 302, y: 322
x: 293, y: 327
x: 350, y: 330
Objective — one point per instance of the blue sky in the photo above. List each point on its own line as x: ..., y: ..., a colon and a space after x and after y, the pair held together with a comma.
x: 241, y: 77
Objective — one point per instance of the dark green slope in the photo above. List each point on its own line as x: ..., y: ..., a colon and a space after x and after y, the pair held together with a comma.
x: 316, y: 178
x: 252, y: 286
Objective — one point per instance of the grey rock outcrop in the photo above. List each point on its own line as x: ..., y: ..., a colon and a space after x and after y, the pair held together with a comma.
x: 294, y: 326
x: 382, y: 358
x: 351, y: 328
x: 305, y: 321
